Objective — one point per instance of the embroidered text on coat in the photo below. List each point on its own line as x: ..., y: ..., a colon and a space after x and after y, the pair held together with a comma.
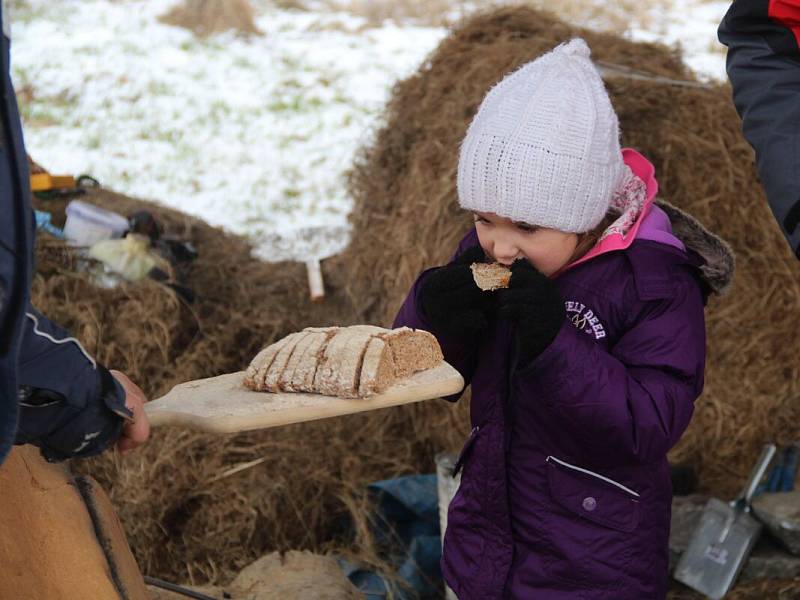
x: 584, y: 319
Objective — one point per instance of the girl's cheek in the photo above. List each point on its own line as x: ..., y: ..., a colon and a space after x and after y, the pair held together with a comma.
x: 484, y: 242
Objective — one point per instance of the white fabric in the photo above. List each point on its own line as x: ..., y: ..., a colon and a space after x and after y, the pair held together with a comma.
x: 544, y: 146
x: 628, y: 202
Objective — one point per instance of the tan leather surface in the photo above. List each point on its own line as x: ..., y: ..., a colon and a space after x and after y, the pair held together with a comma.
x: 111, y: 537
x: 48, y: 546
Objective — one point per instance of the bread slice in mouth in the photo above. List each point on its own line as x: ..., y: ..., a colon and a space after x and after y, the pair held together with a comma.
x: 490, y: 276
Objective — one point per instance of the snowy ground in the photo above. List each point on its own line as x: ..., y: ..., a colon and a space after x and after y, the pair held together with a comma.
x: 254, y: 135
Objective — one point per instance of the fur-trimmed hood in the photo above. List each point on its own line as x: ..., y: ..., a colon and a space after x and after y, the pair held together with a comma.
x: 643, y: 216
x: 719, y: 262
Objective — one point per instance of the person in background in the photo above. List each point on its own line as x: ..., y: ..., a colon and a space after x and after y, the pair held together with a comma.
x: 52, y: 392
x: 763, y: 64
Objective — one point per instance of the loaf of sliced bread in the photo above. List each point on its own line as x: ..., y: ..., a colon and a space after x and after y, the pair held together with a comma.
x: 348, y: 362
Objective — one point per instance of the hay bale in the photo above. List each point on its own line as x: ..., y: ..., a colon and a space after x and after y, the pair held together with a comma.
x: 146, y: 328
x: 167, y: 494
x: 405, y: 198
x: 773, y: 589
x: 206, y: 17
x: 298, y: 575
x: 276, y: 576
x: 188, y: 513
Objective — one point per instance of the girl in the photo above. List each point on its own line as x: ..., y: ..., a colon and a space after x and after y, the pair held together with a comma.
x: 585, y: 370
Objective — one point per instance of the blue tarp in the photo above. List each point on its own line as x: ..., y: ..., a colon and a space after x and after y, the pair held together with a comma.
x: 44, y: 223
x: 781, y: 477
x: 408, y: 519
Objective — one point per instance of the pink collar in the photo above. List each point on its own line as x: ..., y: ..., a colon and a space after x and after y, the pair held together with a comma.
x: 620, y: 237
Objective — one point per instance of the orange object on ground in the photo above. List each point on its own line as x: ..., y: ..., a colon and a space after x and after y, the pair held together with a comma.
x: 44, y: 182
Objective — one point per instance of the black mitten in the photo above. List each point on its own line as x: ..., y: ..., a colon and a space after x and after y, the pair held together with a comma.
x: 452, y: 302
x: 533, y: 303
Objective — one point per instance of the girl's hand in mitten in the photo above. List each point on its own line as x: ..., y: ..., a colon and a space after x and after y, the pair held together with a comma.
x: 533, y: 303
x: 452, y: 302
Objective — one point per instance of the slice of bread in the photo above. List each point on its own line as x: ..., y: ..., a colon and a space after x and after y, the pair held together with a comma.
x: 378, y: 368
x: 303, y: 376
x: 257, y: 371
x: 490, y: 276
x: 308, y: 345
x: 412, y: 350
x: 339, y: 367
x: 275, y: 371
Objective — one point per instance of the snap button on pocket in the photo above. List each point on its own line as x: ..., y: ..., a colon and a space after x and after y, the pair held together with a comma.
x: 593, y: 496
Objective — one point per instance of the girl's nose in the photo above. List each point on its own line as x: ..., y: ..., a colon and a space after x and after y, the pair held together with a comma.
x: 505, y: 253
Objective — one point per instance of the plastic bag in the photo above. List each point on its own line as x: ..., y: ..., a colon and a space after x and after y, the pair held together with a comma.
x: 130, y: 256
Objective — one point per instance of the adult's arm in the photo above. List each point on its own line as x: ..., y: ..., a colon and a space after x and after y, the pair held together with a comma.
x: 763, y: 66
x: 16, y: 242
x: 70, y: 405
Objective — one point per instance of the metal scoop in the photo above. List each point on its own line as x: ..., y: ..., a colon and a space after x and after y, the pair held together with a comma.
x: 722, y: 541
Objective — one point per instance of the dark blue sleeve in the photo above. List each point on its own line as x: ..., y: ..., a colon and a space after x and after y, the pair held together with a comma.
x: 764, y: 69
x: 16, y: 244
x: 70, y: 405
x: 52, y: 393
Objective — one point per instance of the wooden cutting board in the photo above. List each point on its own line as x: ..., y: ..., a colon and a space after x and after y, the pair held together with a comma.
x: 223, y: 405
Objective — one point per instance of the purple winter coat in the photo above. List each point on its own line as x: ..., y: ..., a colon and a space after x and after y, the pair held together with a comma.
x: 565, y: 489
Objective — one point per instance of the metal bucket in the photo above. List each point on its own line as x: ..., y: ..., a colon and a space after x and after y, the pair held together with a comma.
x: 447, y: 486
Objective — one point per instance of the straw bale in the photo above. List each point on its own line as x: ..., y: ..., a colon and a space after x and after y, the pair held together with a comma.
x: 767, y: 589
x: 205, y: 17
x: 198, y: 507
x: 276, y: 576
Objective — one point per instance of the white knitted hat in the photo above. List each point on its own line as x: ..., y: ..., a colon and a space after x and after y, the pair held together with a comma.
x: 544, y: 146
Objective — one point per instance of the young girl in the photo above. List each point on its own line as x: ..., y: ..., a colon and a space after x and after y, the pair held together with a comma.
x: 585, y: 370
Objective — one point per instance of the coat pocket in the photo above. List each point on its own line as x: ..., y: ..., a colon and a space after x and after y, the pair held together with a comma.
x: 593, y: 496
x: 590, y: 526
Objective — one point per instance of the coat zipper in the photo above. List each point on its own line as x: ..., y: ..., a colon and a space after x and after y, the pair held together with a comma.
x: 467, y: 446
x: 593, y: 474
x: 512, y: 367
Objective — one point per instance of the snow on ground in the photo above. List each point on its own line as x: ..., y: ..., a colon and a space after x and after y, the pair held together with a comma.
x: 692, y: 26
x: 254, y: 135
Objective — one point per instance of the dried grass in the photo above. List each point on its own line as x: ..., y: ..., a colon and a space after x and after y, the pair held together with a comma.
x: 199, y: 507
x: 206, y: 17
x: 617, y: 17
x: 768, y: 589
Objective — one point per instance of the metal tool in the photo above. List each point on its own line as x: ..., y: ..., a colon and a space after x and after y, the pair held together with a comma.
x: 723, y: 539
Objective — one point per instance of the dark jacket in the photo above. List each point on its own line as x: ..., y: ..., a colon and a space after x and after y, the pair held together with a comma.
x: 764, y: 68
x: 52, y: 393
x: 16, y: 245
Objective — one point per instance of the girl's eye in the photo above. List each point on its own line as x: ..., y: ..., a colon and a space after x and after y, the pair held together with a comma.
x: 480, y: 219
x: 527, y: 228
